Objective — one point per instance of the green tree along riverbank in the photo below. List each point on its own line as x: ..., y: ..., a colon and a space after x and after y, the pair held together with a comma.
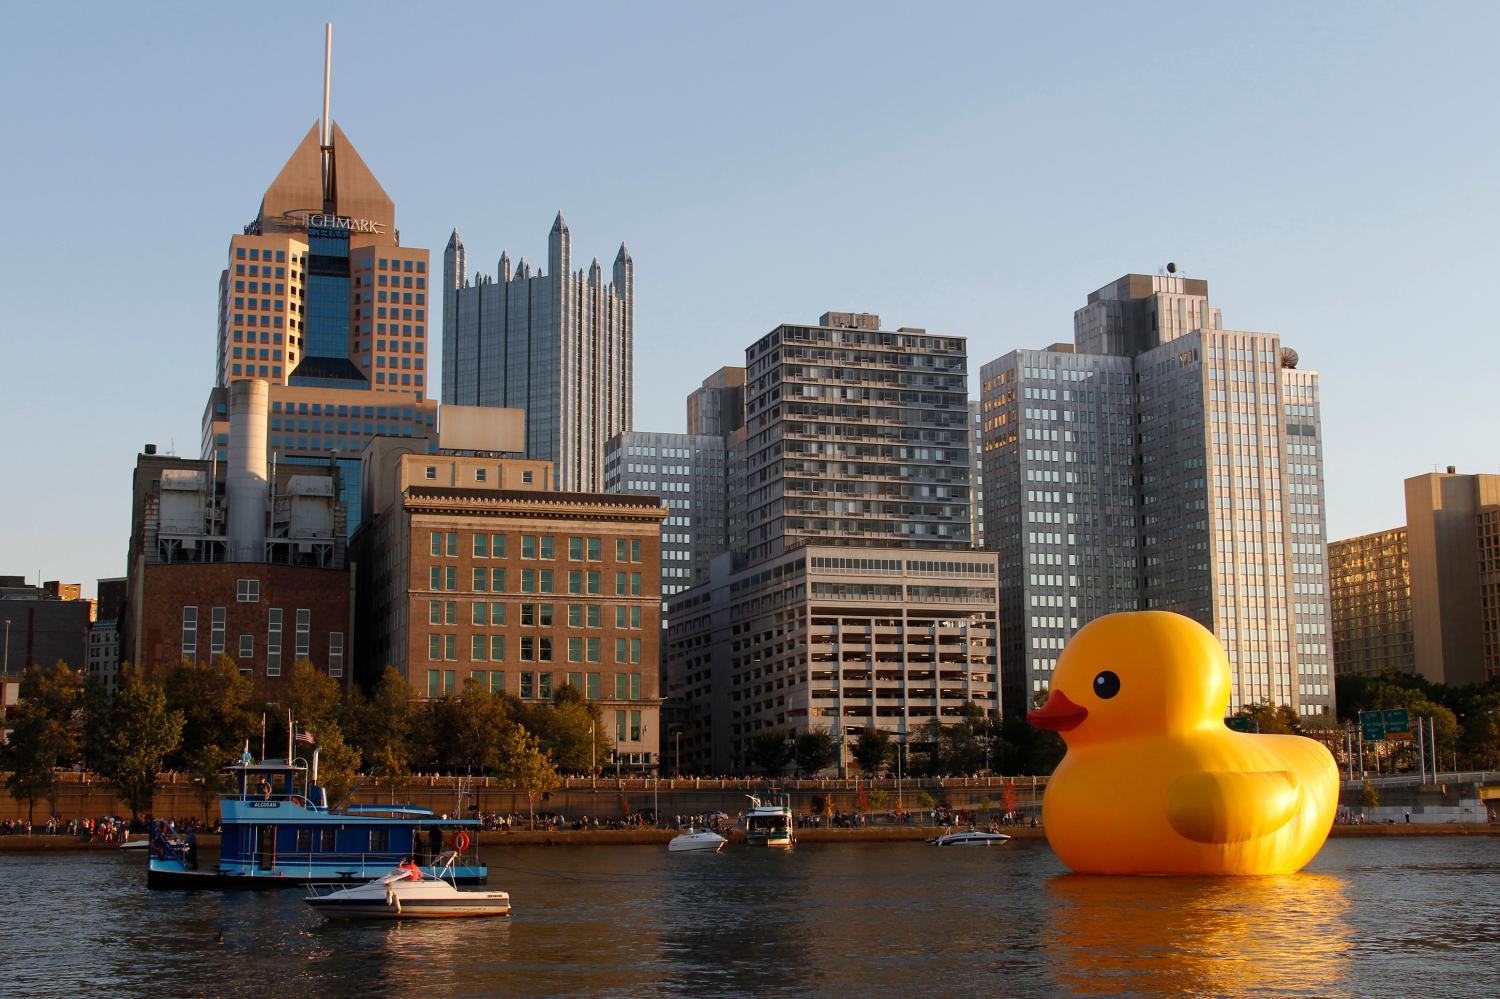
x: 196, y: 718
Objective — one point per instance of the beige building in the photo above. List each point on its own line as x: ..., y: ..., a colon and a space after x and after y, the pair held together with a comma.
x: 1425, y: 597
x: 1369, y: 582
x: 834, y: 638
x: 472, y: 567
x: 1450, y: 533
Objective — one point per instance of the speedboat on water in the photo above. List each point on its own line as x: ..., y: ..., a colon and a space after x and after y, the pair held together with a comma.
x: 694, y: 841
x: 404, y: 893
x: 969, y: 837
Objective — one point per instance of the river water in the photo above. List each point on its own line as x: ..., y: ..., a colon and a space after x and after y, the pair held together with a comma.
x: 1369, y: 917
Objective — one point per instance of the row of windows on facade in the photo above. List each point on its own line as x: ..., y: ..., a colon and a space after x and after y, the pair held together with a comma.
x: 531, y: 648
x: 627, y: 686
x: 302, y: 637
x: 274, y: 371
x: 541, y: 547
x: 483, y: 614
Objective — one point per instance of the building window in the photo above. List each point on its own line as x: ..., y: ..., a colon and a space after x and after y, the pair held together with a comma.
x: 481, y: 579
x: 619, y: 726
x: 497, y: 681
x: 592, y: 645
x: 479, y: 647
x: 622, y: 688
x: 273, y: 643
x: 450, y: 648
x: 575, y: 549
x: 481, y: 546
x: 304, y: 633
x: 528, y: 686
x: 575, y: 650
x: 497, y: 648
x: 435, y: 648
x: 189, y: 632
x: 247, y: 591
x: 434, y: 683
x: 497, y: 546
x: 247, y: 647
x: 544, y: 685
x: 592, y: 690
x: 635, y: 686
x: 335, y: 653
x: 217, y: 619
x: 635, y: 726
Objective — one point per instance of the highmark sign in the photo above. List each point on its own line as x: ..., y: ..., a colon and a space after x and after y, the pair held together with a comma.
x: 344, y: 222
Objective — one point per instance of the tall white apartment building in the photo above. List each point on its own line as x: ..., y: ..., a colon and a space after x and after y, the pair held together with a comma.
x: 1164, y: 463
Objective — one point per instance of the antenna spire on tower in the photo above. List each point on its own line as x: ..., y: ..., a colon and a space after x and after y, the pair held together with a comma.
x: 325, y: 140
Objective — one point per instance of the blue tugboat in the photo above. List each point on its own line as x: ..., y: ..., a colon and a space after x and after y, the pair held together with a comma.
x: 275, y: 837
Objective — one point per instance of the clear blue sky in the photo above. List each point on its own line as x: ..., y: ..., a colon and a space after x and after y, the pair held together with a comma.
x: 1331, y: 169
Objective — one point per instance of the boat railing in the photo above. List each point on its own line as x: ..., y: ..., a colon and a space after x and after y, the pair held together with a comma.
x: 346, y: 864
x: 295, y: 799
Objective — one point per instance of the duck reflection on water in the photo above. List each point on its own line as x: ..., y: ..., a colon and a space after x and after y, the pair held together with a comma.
x: 1276, y: 935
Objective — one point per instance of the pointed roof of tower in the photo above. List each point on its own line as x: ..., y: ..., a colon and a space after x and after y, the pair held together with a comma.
x: 455, y: 241
x: 559, y: 225
x: 299, y: 185
x: 623, y: 257
x: 359, y: 194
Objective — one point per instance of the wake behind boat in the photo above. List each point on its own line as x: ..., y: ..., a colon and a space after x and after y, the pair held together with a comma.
x: 404, y: 893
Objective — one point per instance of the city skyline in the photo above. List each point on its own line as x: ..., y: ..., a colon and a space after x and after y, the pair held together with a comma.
x: 950, y: 193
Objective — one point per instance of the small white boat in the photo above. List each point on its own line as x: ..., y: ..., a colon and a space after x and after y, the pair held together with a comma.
x: 397, y: 895
x: 697, y: 840
x: 135, y: 844
x: 969, y: 837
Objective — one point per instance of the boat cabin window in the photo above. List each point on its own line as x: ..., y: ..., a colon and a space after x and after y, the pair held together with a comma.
x: 380, y: 840
x: 327, y: 843
x: 304, y: 840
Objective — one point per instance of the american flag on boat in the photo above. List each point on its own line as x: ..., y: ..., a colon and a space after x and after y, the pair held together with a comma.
x: 303, y: 735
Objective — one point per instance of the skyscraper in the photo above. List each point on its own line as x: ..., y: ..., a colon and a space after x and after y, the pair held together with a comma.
x: 1166, y: 463
x: 856, y: 435
x: 321, y: 301
x: 557, y: 344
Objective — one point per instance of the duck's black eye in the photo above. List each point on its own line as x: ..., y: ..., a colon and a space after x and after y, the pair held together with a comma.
x: 1106, y: 685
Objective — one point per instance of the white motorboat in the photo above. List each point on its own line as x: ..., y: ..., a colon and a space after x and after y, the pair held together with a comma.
x: 969, y: 837
x: 398, y: 895
x: 697, y: 840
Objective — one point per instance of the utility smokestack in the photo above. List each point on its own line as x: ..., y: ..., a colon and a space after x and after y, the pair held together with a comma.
x: 247, y: 488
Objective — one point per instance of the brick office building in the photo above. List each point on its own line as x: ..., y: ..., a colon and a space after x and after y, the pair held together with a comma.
x: 473, y: 567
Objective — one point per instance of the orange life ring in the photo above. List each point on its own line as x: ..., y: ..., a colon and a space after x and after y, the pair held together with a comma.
x: 461, y: 840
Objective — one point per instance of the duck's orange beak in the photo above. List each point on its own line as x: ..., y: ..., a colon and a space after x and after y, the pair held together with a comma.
x: 1058, y: 714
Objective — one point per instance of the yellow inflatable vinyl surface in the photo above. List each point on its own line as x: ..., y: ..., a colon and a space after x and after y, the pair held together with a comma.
x: 1153, y: 782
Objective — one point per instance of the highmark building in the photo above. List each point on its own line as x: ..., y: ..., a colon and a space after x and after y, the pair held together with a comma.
x: 320, y: 300
x: 1161, y: 461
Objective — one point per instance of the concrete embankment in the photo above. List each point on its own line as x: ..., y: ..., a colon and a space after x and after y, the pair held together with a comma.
x: 658, y: 837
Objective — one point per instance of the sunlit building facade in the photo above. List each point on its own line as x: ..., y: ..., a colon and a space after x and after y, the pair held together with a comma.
x: 1369, y: 582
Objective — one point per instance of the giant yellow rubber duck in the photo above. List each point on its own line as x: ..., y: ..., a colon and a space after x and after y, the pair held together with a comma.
x: 1153, y: 782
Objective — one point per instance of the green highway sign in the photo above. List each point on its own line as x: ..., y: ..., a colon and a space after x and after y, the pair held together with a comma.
x: 1397, y: 723
x: 1372, y: 725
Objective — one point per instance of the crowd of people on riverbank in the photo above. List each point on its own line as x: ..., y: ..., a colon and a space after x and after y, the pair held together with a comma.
x: 104, y: 829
